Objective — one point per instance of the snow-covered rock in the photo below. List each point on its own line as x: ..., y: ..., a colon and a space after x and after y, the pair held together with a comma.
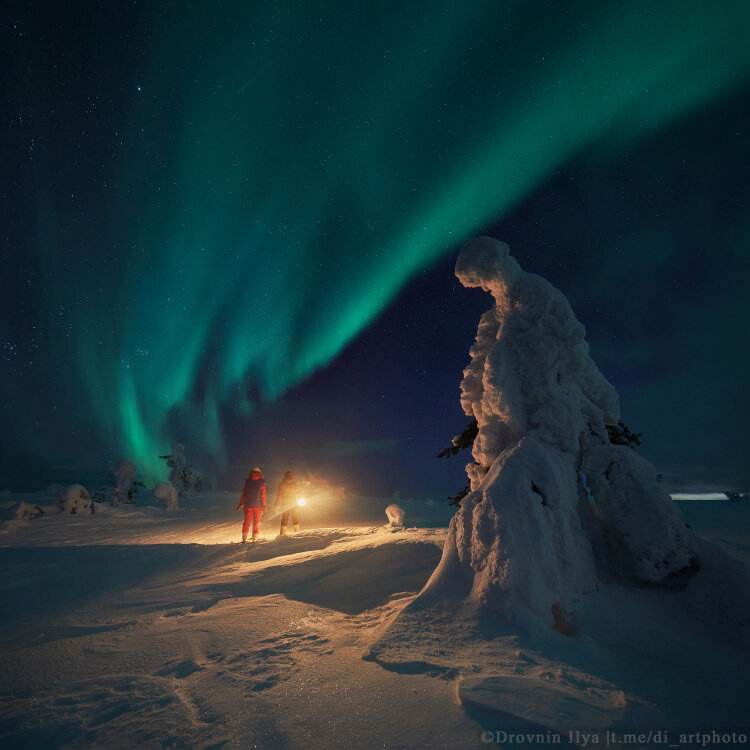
x: 528, y: 541
x: 75, y: 499
x: 168, y: 495
x: 396, y: 515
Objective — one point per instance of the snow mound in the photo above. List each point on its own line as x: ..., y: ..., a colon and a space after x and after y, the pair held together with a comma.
x: 396, y: 515
x: 550, y: 700
x: 75, y: 499
x: 168, y: 495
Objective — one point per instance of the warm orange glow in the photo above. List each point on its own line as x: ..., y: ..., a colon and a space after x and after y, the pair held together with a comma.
x: 302, y: 501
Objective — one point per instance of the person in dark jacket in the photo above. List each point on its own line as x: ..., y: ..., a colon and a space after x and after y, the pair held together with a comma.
x: 286, y: 501
x: 253, y: 501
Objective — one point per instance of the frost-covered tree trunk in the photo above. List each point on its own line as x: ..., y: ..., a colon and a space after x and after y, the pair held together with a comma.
x: 529, y: 540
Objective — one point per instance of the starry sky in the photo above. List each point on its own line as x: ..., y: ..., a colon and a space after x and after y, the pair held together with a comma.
x: 234, y: 224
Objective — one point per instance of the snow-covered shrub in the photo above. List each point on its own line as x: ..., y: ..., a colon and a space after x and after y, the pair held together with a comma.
x: 75, y: 499
x: 125, y: 488
x: 167, y: 494
x: 23, y: 511
x: 396, y: 515
x: 527, y: 540
x: 121, y: 487
x: 184, y: 477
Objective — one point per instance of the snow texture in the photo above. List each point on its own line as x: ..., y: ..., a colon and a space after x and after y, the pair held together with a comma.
x: 396, y: 515
x: 168, y: 495
x: 147, y: 654
x: 527, y: 540
x: 75, y: 499
x: 124, y: 474
x: 184, y: 477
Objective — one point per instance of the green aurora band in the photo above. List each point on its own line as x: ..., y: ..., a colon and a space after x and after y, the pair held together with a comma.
x: 285, y: 169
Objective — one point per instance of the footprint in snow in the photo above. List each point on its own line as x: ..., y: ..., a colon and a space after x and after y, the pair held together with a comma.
x: 181, y: 670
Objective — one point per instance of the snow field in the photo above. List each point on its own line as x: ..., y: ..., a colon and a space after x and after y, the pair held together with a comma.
x: 120, y: 636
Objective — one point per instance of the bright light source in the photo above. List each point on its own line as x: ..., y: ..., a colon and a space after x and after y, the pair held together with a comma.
x: 302, y: 501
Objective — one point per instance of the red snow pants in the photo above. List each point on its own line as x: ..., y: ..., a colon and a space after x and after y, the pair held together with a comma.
x: 252, y: 515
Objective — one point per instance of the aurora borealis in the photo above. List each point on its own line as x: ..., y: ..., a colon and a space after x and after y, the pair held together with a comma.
x: 204, y: 204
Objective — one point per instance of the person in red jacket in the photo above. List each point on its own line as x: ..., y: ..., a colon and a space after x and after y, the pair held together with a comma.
x: 253, y: 501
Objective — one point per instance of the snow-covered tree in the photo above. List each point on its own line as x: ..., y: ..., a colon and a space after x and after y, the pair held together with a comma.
x: 529, y: 539
x: 396, y: 515
x: 460, y: 442
x: 184, y: 477
x: 121, y: 486
x: 23, y: 511
x: 125, y: 488
x: 75, y: 499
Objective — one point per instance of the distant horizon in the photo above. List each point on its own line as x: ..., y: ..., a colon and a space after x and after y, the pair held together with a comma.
x: 679, y: 490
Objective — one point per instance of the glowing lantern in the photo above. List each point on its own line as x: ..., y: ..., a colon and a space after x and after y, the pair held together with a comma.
x: 301, y: 501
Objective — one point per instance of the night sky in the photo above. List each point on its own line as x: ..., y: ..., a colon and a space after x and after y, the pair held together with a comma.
x: 234, y: 224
